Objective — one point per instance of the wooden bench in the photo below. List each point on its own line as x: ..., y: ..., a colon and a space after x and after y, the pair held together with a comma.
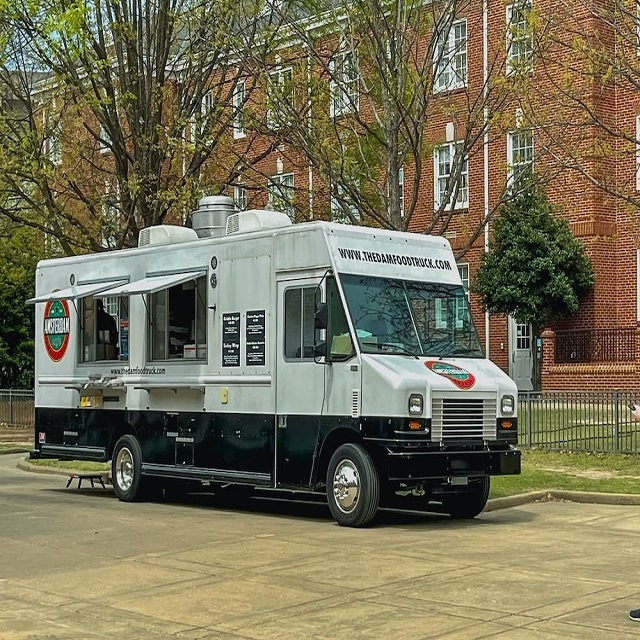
x: 92, y: 476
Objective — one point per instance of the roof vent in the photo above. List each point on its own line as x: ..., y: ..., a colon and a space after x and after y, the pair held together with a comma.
x: 256, y: 220
x: 165, y: 234
x: 210, y: 219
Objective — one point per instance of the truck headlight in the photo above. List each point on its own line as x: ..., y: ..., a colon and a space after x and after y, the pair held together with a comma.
x: 416, y: 402
x: 507, y: 405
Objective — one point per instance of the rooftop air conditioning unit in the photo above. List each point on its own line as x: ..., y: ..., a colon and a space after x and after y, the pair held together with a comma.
x: 256, y: 220
x: 165, y: 234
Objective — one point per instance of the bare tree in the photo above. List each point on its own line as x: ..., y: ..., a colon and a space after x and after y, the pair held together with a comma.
x: 114, y: 110
x: 372, y: 78
x: 588, y: 61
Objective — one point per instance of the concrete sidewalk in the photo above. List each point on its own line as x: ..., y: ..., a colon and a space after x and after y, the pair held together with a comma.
x: 82, y: 565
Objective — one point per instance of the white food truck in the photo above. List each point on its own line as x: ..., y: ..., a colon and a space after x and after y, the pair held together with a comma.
x: 250, y: 352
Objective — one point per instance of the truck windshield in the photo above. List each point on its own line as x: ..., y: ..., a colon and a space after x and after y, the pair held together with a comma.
x: 416, y: 318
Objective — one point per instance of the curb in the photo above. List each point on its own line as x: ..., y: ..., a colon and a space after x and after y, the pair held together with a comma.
x: 24, y: 465
x: 548, y: 495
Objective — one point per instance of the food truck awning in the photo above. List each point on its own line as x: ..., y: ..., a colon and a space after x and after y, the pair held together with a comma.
x: 78, y: 291
x: 151, y: 284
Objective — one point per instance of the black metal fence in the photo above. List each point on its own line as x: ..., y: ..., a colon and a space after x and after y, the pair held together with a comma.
x: 596, y: 345
x: 17, y: 407
x: 589, y: 421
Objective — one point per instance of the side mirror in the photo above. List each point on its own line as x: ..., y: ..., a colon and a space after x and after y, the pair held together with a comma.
x: 321, y: 316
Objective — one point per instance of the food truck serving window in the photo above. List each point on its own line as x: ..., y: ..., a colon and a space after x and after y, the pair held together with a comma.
x: 178, y: 327
x: 105, y: 328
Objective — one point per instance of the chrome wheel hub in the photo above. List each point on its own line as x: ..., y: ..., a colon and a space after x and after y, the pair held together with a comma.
x: 124, y: 469
x: 346, y: 486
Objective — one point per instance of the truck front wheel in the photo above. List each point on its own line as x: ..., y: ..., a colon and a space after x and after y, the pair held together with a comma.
x: 353, y: 486
x: 470, y: 503
x: 126, y: 474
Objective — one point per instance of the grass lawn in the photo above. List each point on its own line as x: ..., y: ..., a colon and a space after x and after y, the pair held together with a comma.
x: 15, y: 445
x: 605, y: 473
x: 77, y: 465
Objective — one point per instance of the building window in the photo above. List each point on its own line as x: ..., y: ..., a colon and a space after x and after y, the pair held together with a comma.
x: 105, y: 328
x: 178, y: 326
x: 461, y: 309
x: 240, y: 196
x: 54, y: 145
x: 281, y: 193
x: 343, y: 70
x: 238, y: 110
x: 451, y: 185
x: 342, y: 210
x: 299, y: 327
x: 451, y: 58
x: 519, y: 37
x: 104, y: 140
x: 519, y: 154
x: 279, y: 97
x: 200, y: 124
x: 110, y: 222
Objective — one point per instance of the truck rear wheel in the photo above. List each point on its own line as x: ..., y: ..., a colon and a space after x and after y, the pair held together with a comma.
x: 469, y: 504
x: 126, y: 469
x: 353, y: 486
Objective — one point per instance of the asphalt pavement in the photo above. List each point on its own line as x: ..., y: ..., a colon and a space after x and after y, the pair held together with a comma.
x: 79, y: 565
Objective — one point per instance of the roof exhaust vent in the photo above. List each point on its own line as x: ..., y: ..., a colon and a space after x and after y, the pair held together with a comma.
x: 210, y: 219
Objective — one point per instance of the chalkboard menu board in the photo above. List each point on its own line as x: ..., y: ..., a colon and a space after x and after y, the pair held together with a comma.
x: 255, y: 331
x: 230, y: 339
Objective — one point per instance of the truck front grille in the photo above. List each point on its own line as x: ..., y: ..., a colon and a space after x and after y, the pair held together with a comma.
x: 463, y: 419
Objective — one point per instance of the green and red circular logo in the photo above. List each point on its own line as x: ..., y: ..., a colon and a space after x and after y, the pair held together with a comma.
x: 57, y: 327
x: 461, y: 378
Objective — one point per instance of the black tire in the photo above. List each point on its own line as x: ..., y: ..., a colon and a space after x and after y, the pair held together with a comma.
x: 126, y: 469
x: 353, y: 486
x: 467, y: 505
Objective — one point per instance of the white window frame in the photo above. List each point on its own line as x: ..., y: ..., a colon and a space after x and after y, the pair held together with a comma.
x: 199, y: 121
x: 515, y: 164
x: 281, y: 189
x: 463, y: 271
x: 451, y: 58
x: 337, y: 210
x: 344, y: 83
x: 239, y: 130
x: 110, y: 213
x: 104, y: 140
x: 462, y: 196
x: 519, y: 38
x: 280, y: 82
x: 240, y: 195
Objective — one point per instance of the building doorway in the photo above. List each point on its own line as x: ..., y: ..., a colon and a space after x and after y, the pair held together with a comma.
x: 521, y: 355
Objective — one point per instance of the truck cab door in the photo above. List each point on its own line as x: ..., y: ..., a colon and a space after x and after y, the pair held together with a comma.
x: 299, y: 382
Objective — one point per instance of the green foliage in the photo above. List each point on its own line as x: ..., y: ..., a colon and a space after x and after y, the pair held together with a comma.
x: 20, y: 251
x: 536, y: 269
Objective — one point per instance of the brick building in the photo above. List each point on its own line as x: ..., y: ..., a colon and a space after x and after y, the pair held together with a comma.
x: 590, y: 171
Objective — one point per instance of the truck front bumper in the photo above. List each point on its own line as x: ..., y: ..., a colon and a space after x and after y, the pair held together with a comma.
x: 433, y: 465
